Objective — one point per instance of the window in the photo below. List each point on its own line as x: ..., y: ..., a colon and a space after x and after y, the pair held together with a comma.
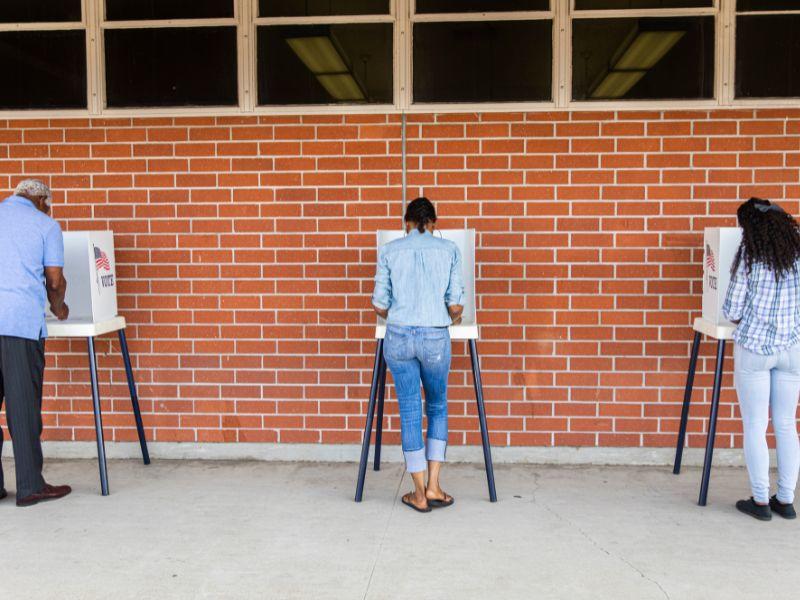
x: 134, y: 10
x: 40, y: 11
x: 458, y: 58
x: 467, y: 6
x: 642, y: 57
x: 638, y: 4
x: 150, y: 63
x: 308, y: 8
x: 270, y: 56
x: 767, y: 49
x: 313, y: 60
x: 763, y: 5
x: 43, y: 68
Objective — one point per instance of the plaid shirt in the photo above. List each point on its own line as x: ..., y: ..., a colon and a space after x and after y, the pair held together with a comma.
x: 768, y: 311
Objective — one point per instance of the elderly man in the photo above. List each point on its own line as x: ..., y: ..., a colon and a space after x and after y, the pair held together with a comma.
x: 31, y: 272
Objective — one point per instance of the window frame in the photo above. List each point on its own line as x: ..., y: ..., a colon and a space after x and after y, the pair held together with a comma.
x: 748, y: 102
x: 83, y: 24
x: 402, y: 16
x: 631, y: 13
x: 98, y: 37
x: 414, y: 18
x: 256, y: 21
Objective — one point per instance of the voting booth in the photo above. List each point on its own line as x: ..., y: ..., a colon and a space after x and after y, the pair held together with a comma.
x: 467, y: 329
x: 465, y: 240
x: 89, y: 268
x: 90, y: 271
x: 720, y: 245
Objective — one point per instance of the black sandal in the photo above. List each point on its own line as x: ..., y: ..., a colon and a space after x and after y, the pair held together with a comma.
x: 434, y: 503
x: 410, y: 504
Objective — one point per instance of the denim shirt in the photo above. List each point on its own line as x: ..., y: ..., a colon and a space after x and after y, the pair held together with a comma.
x: 417, y: 278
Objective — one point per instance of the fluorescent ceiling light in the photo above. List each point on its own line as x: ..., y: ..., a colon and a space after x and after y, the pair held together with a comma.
x: 642, y: 54
x: 617, y: 83
x: 318, y: 53
x: 647, y: 49
x: 325, y: 61
x: 341, y: 86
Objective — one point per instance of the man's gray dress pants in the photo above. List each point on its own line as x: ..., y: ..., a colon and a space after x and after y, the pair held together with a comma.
x: 21, y: 376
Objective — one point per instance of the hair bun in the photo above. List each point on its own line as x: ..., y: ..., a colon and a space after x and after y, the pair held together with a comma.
x: 420, y: 211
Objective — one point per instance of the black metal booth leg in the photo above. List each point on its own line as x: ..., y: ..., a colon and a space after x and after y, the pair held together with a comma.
x: 487, y: 451
x: 137, y: 413
x: 712, y: 423
x: 379, y: 421
x: 687, y: 399
x: 98, y: 418
x: 373, y: 393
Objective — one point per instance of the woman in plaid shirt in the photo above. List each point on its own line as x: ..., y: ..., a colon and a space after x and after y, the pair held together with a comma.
x: 764, y: 300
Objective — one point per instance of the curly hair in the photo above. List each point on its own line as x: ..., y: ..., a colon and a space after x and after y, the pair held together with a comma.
x: 770, y: 236
x: 421, y: 212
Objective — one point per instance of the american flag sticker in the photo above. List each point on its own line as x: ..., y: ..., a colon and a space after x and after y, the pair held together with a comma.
x: 710, y: 265
x: 101, y: 260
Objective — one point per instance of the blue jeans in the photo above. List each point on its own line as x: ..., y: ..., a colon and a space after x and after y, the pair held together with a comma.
x: 769, y: 385
x: 415, y: 354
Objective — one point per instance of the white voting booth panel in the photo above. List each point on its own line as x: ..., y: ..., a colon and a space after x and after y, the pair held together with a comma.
x: 91, y: 274
x: 465, y: 240
x: 720, y: 245
x: 90, y: 271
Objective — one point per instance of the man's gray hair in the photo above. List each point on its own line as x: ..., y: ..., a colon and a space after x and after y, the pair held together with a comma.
x: 34, y: 187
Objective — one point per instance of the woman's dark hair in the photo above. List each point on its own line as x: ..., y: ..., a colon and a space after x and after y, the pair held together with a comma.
x: 770, y: 236
x: 421, y: 212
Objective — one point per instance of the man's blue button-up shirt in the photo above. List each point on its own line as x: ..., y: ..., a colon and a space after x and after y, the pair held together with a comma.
x: 29, y: 242
x: 417, y: 278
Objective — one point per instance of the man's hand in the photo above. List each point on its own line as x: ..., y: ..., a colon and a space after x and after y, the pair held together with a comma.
x: 56, y: 287
x: 381, y: 312
x: 61, y: 312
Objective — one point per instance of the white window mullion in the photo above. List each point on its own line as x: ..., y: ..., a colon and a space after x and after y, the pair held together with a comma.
x: 164, y: 23
x: 727, y: 51
x: 55, y: 26
x: 94, y: 74
x: 245, y: 50
x: 562, y: 53
x: 324, y: 20
x: 403, y: 54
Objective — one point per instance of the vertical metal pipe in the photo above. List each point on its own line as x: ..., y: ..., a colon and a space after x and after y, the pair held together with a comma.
x: 137, y: 413
x: 687, y: 399
x: 712, y: 423
x: 405, y: 173
x: 98, y: 418
x: 373, y: 395
x: 487, y: 450
x: 379, y: 418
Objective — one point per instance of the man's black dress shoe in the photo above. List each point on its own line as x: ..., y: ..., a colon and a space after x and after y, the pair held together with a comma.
x: 48, y: 492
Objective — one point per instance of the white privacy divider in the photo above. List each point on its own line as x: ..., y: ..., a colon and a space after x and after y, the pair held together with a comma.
x: 465, y: 240
x: 719, y: 249
x: 90, y: 271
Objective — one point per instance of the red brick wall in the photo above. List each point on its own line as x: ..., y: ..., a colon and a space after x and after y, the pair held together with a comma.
x: 245, y: 251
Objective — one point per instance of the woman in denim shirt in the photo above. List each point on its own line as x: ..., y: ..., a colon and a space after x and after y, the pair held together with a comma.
x: 764, y: 299
x: 420, y: 292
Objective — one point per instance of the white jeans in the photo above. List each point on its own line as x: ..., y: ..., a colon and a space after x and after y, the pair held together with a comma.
x: 769, y: 384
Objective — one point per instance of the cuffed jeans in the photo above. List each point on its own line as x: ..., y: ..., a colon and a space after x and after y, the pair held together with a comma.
x: 769, y: 384
x: 415, y: 354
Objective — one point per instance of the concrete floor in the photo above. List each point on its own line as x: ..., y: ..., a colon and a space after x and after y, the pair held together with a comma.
x: 183, y: 529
